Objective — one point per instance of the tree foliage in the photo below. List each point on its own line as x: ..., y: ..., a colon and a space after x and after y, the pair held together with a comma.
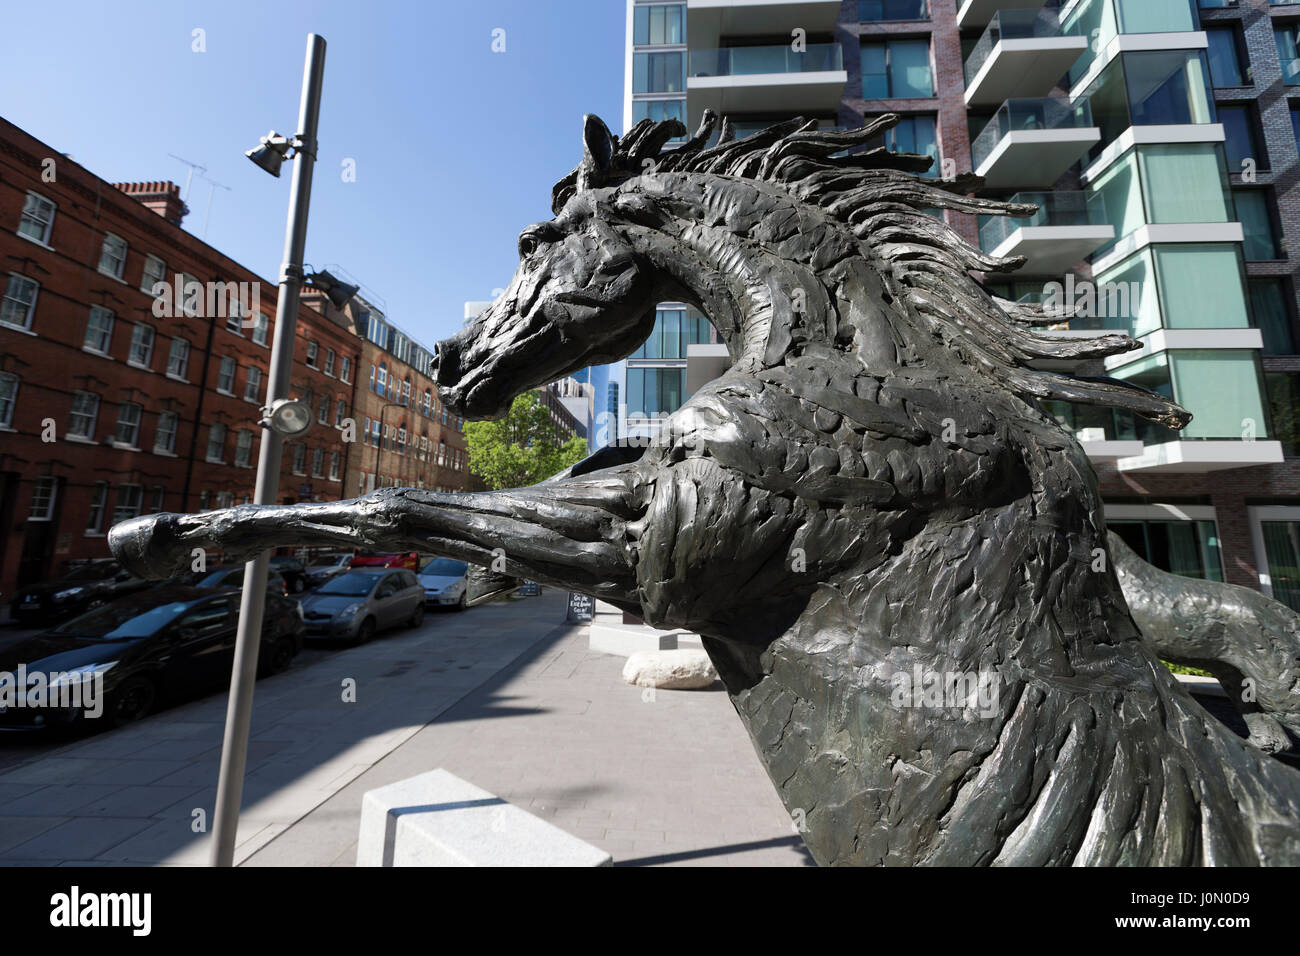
x: 522, y: 448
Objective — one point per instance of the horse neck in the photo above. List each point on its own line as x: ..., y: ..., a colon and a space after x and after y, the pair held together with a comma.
x: 765, y: 304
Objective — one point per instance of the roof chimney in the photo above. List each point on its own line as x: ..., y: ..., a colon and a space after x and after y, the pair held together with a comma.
x: 163, y: 198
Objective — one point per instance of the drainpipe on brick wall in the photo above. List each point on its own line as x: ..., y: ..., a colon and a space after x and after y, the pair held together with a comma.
x: 198, y: 414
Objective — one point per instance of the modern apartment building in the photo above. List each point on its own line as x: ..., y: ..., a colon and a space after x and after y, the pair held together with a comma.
x: 1158, y: 137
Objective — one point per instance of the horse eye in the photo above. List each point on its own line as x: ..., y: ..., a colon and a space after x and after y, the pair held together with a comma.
x: 527, y: 246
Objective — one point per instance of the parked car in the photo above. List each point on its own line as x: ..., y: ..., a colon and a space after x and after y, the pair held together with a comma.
x: 407, y: 559
x: 325, y: 566
x: 165, y: 642
x: 363, y: 601
x: 232, y: 576
x: 445, y: 582
x: 293, y: 571
x: 86, y: 586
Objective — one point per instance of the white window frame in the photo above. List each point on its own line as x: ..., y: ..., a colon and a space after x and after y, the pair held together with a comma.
x: 48, y: 484
x: 218, y: 442
x: 92, y: 415
x: 227, y: 361
x: 313, y: 350
x: 25, y: 217
x: 299, y: 458
x: 168, y: 417
x: 334, y: 466
x: 345, y: 369
x: 98, y: 508
x: 26, y: 324
x: 340, y: 412
x: 106, y: 331
x: 130, y: 420
x: 261, y: 329
x: 253, y: 384
x: 323, y: 410
x: 177, y: 367
x: 129, y: 503
x: 139, y: 333
x: 147, y: 279
x: 318, y: 462
x: 243, y: 448
x: 329, y: 362
x: 8, y: 399
x: 104, y: 254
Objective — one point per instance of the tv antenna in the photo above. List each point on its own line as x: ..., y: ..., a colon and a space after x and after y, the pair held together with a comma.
x: 213, y: 185
x: 190, y: 177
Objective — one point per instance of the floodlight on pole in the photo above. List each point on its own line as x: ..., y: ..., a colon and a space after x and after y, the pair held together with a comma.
x: 288, y: 416
x: 336, y: 290
x: 283, y: 416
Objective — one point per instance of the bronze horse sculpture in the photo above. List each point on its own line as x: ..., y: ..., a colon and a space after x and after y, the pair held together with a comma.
x: 871, y: 490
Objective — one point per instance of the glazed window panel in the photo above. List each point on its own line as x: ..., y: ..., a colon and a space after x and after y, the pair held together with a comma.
x: 99, y: 330
x: 19, y: 302
x: 1259, y: 237
x: 37, y: 220
x: 1186, y: 548
x: 1184, y: 182
x: 1222, y: 390
x: 1202, y: 286
x: 1268, y: 306
x: 660, y: 24
x: 659, y: 72
x: 1282, y: 549
x: 112, y: 256
x: 1225, y: 57
x: 8, y: 398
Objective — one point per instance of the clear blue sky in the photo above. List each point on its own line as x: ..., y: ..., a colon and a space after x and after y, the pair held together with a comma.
x: 456, y: 147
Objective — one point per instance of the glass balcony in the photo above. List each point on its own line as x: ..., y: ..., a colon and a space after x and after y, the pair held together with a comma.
x: 752, y: 60
x: 1031, y: 142
x: 1068, y: 227
x: 1021, y: 51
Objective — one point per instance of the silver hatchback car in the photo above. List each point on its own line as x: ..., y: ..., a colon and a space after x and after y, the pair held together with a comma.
x: 359, y: 603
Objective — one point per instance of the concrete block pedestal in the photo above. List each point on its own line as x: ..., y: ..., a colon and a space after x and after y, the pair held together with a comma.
x: 438, y: 819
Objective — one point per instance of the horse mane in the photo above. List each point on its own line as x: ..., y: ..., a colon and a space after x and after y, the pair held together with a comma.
x: 880, y: 197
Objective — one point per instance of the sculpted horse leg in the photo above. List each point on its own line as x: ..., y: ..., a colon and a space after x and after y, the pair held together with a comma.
x: 1235, y: 633
x: 566, y: 532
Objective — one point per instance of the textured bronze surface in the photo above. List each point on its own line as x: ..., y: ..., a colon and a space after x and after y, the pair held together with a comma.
x: 869, y: 501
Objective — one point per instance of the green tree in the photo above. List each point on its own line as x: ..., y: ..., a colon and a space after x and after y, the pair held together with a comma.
x: 522, y: 448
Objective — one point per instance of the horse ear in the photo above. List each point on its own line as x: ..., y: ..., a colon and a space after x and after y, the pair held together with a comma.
x: 597, y: 151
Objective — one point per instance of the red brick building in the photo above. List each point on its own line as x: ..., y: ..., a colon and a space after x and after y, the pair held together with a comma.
x: 133, y: 364
x: 405, y: 436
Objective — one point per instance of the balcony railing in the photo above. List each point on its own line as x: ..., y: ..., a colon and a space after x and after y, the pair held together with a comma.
x: 1015, y: 25
x: 1028, y: 114
x: 1054, y: 209
x: 751, y: 60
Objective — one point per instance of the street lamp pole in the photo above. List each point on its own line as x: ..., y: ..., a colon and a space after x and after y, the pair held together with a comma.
x: 239, y: 711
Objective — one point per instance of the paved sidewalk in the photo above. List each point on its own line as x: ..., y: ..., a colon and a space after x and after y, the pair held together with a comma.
x: 662, y: 777
x: 518, y: 706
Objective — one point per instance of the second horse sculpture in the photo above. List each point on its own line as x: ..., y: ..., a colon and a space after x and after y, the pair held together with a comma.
x: 868, y: 510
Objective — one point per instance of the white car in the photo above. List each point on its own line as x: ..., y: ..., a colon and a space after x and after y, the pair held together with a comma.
x: 445, y: 583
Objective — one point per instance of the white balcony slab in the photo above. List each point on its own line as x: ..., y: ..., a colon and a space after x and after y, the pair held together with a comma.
x: 1052, y: 250
x: 708, y: 21
x: 1035, y: 158
x: 1165, y: 340
x: 1026, y: 66
x: 1111, y: 449
x: 814, y: 91
x: 1201, y: 457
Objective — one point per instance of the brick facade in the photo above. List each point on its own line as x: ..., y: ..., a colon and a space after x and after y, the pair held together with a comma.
x: 161, y: 407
